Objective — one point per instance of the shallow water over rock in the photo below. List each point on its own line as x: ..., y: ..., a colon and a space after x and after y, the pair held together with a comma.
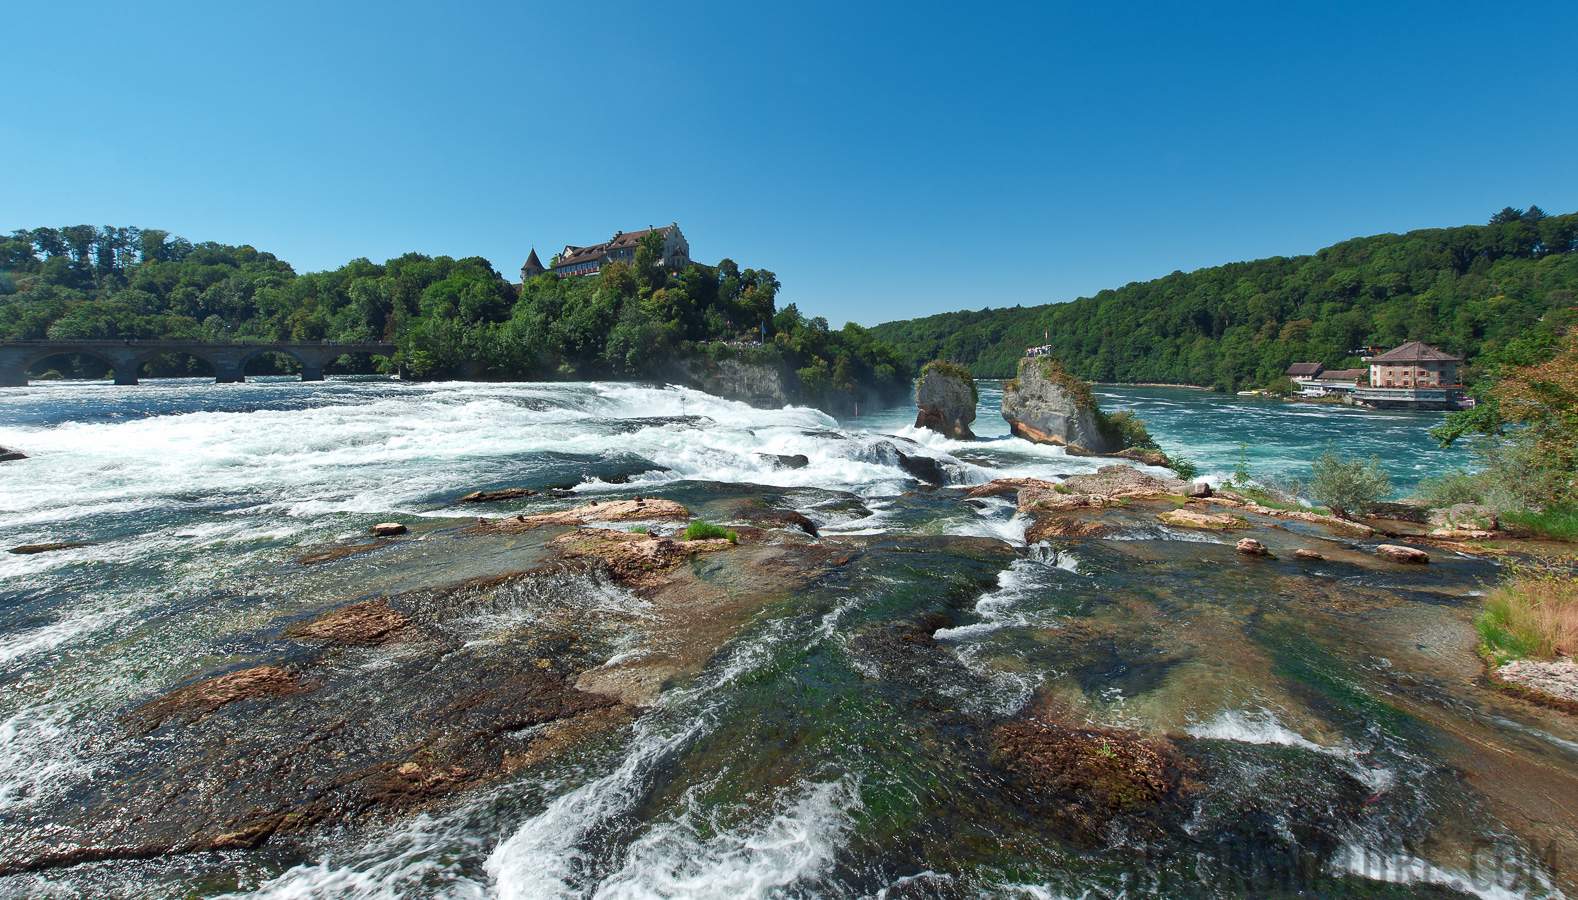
x: 235, y: 691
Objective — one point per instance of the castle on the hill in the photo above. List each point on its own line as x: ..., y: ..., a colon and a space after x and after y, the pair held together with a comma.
x: 622, y: 246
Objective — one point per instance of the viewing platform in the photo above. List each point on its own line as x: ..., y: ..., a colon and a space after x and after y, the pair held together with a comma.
x: 126, y: 357
x: 1448, y: 397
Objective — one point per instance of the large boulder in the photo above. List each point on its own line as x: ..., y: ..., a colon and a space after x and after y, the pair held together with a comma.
x: 1117, y: 481
x: 946, y: 396
x: 1048, y: 406
x: 1401, y: 554
x: 1465, y: 517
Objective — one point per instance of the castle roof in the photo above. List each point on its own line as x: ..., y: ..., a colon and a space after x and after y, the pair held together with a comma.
x: 1414, y: 351
x: 532, y: 262
x: 574, y: 255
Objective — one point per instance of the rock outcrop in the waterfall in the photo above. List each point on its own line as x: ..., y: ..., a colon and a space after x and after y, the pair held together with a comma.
x: 946, y: 396
x: 1048, y: 406
x: 759, y: 385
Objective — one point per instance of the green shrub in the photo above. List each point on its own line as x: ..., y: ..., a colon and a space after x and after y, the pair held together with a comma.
x: 1241, y: 474
x: 1346, y: 485
x: 1182, y: 466
x: 1456, y: 486
x: 1517, y: 475
x: 640, y: 529
x: 702, y: 530
x: 1124, y: 429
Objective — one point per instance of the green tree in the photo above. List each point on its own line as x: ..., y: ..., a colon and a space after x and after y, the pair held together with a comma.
x: 1348, y: 486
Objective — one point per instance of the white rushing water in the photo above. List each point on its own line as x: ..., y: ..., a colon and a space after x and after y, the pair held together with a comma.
x: 195, y: 497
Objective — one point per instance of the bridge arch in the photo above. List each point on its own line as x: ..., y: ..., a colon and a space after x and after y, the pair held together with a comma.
x: 307, y: 362
x: 123, y: 366
x: 164, y: 359
x: 63, y: 361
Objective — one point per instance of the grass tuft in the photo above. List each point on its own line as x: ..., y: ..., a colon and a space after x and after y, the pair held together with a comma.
x: 1533, y: 613
x: 1553, y: 522
x: 702, y: 530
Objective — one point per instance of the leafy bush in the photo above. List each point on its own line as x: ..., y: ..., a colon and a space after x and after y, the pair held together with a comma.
x: 1182, y: 466
x: 1456, y: 486
x: 1348, y: 486
x: 1124, y: 429
x: 702, y: 530
x: 1534, y: 612
x: 640, y: 529
x: 1517, y: 480
x: 1517, y: 475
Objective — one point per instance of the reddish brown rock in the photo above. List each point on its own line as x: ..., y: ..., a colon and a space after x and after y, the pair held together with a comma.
x: 1148, y: 457
x: 364, y: 624
x: 200, y: 698
x: 388, y: 529
x: 30, y: 549
x: 496, y: 496
x: 1083, y: 777
x: 1252, y: 547
x: 636, y: 559
x: 1301, y: 553
x: 1045, y: 527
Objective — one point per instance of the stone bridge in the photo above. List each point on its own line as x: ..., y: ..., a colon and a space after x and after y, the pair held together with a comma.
x: 229, y: 358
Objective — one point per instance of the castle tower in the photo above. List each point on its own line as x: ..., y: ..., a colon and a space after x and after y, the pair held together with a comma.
x: 533, y: 267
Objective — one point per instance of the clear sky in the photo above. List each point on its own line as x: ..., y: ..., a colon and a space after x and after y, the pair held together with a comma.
x: 885, y: 160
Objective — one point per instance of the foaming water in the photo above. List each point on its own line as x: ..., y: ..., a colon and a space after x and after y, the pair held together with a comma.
x: 200, y: 496
x: 1257, y: 726
x: 691, y: 858
x: 38, y: 755
x: 561, y: 852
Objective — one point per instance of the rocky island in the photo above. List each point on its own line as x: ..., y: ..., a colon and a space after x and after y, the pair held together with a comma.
x: 1045, y: 404
x: 946, y: 397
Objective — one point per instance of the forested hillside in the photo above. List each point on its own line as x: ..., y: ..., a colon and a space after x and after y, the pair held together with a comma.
x: 1468, y: 290
x: 449, y: 317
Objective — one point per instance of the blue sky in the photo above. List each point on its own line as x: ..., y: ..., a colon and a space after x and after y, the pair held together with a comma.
x: 885, y: 160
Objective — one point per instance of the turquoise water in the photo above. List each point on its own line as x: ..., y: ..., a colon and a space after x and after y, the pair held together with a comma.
x: 1280, y: 437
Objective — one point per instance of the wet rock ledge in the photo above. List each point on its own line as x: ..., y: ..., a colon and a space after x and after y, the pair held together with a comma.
x: 380, y: 707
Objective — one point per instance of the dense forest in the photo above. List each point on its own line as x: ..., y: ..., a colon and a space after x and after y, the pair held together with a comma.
x: 1469, y: 290
x: 449, y: 317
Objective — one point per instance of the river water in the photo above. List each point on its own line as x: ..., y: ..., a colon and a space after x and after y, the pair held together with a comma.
x: 1333, y: 717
